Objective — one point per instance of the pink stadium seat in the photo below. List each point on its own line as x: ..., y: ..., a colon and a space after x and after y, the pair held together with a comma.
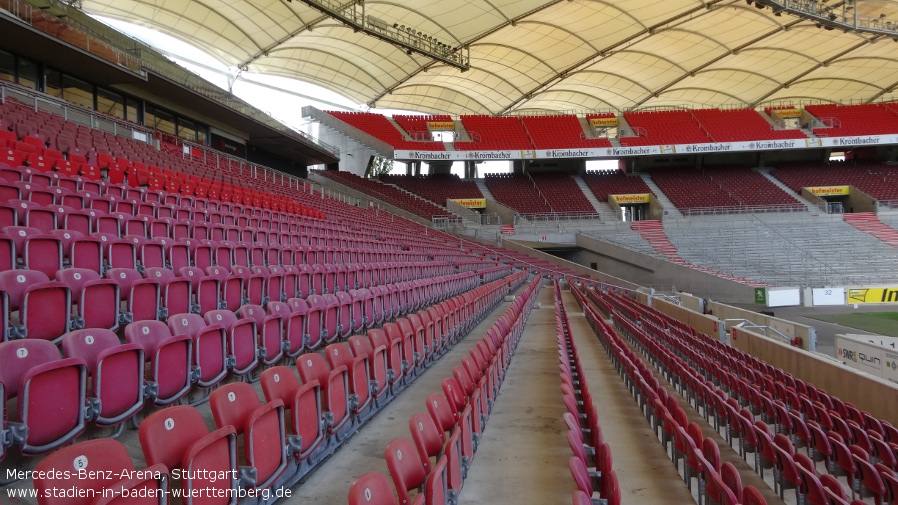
x: 116, y: 371
x: 108, y: 461
x: 169, y: 357
x: 51, y: 393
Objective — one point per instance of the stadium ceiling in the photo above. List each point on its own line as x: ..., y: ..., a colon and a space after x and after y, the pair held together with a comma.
x: 538, y: 56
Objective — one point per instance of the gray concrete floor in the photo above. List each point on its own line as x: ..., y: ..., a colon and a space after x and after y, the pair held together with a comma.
x: 329, y: 484
x: 645, y: 472
x: 523, y: 453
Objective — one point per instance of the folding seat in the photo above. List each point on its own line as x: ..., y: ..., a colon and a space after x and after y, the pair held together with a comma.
x: 868, y: 477
x: 209, y: 346
x: 51, y: 392
x: 422, y: 349
x: 334, y: 391
x: 117, y: 253
x: 262, y: 426
x: 8, y: 215
x: 169, y: 358
x: 360, y: 395
x: 202, y: 255
x: 109, y: 465
x: 243, y: 346
x: 179, y: 254
x: 407, y: 471
x: 142, y: 295
x: 175, y: 292
x: 412, y: 344
x: 371, y: 489
x: 304, y: 280
x: 18, y: 234
x: 97, y: 299
x: 378, y: 366
x: 206, y: 289
x: 116, y: 372
x: 404, y: 343
x: 43, y: 253
x: 177, y: 438
x: 317, y: 279
x: 304, y: 404
x: 231, y: 286
x: 269, y: 329
x: 315, y: 320
x: 30, y: 291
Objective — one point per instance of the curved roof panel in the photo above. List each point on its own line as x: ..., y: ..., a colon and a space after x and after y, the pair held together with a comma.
x: 535, y: 56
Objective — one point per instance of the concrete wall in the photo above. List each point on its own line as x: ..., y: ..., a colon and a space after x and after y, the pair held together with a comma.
x: 858, y: 201
x: 469, y: 214
x: 506, y: 214
x: 647, y: 270
x: 867, y: 392
x: 512, y: 245
x: 788, y: 328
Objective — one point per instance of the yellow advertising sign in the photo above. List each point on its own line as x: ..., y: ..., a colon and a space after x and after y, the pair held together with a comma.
x: 603, y: 122
x: 471, y: 203
x: 787, y: 113
x: 873, y: 295
x: 440, y: 126
x: 625, y: 199
x: 828, y: 190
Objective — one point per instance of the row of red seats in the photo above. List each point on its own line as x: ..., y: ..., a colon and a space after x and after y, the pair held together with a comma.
x: 847, y: 120
x: 337, y: 395
x: 585, y: 437
x: 518, y: 192
x: 387, y: 193
x: 462, y: 411
x: 615, y: 182
x: 719, y: 483
x: 378, y: 126
x: 853, y: 444
x: 562, y: 193
x: 874, y: 178
x: 560, y: 132
x: 191, y: 351
x: 435, y: 187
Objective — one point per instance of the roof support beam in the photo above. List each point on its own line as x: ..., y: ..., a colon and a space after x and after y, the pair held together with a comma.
x: 352, y: 14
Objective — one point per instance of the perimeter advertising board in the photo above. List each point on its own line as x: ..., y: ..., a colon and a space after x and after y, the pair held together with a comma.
x: 873, y: 295
x: 867, y: 354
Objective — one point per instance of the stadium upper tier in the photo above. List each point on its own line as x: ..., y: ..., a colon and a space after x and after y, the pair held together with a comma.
x: 493, y: 133
x: 848, y: 120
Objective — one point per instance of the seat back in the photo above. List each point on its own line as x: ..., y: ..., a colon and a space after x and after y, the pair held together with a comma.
x: 372, y: 488
x: 231, y: 404
x: 427, y: 437
x: 106, y: 460
x: 405, y: 468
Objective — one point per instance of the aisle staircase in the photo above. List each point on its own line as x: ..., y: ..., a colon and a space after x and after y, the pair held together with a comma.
x: 867, y: 222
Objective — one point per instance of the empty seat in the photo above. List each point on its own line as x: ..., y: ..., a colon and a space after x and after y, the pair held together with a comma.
x: 262, y: 427
x: 303, y: 402
x: 94, y: 469
x: 169, y: 358
x: 51, y: 393
x: 209, y: 346
x: 116, y: 372
x: 44, y: 307
x: 177, y: 438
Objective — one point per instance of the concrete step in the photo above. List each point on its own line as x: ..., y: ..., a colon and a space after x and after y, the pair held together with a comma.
x: 601, y: 208
x: 813, y: 209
